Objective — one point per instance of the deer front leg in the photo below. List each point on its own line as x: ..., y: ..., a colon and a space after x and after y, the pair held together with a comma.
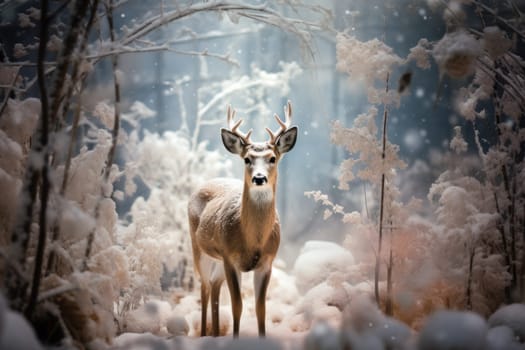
x: 205, y: 294
x: 233, y: 280
x: 261, y: 278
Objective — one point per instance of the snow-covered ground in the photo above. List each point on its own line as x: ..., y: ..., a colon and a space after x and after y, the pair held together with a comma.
x: 311, y: 308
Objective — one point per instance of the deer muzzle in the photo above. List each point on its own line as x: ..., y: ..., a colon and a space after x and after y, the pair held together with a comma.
x: 259, y: 180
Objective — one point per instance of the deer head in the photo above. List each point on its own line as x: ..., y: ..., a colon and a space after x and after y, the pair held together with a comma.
x: 260, y: 158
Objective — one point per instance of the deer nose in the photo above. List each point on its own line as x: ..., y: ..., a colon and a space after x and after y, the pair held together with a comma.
x: 259, y: 180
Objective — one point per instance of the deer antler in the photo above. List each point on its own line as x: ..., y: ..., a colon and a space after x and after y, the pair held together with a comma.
x: 283, y: 125
x: 234, y: 126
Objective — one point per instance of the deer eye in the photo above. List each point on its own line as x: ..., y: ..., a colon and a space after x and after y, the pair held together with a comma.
x: 247, y: 161
x: 272, y: 160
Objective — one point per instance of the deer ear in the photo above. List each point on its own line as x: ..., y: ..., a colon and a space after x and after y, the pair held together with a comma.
x: 232, y: 142
x: 286, y: 141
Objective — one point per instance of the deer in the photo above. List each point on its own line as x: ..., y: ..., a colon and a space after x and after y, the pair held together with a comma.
x: 234, y: 224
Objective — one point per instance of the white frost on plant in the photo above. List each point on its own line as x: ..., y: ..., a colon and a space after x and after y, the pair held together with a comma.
x: 24, y: 21
x: 137, y: 111
x: 362, y: 142
x: 456, y: 53
x: 465, y: 103
x: 105, y: 113
x: 495, y: 41
x: 54, y: 43
x: 11, y: 155
x: 458, y: 143
x: 454, y: 13
x: 352, y: 218
x: 75, y: 223
x: 20, y: 118
x: 19, y: 50
x: 34, y: 13
x: 370, y: 62
x: 421, y: 54
x: 481, y: 88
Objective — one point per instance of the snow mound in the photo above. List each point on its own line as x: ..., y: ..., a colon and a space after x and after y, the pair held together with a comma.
x: 252, y: 343
x: 177, y: 325
x: 322, y: 337
x: 141, y: 341
x: 317, y: 261
x: 502, y: 338
x: 365, y: 327
x: 512, y: 316
x: 225, y: 320
x: 324, y: 302
x: 15, y: 331
x: 148, y: 318
x: 448, y: 330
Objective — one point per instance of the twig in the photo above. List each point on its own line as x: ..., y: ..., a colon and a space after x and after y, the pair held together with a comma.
x: 10, y: 88
x: 64, y: 60
x: 76, y: 64
x: 57, y: 291
x: 56, y: 227
x: 499, y: 18
x: 130, y: 50
x: 44, y: 137
x: 13, y: 265
x: 115, y: 132
x: 513, y: 89
x: 59, y: 9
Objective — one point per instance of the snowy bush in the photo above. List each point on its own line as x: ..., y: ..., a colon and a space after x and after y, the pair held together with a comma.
x: 453, y: 330
x: 317, y: 260
x: 511, y: 316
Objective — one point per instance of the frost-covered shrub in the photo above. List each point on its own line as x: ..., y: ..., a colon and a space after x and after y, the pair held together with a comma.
x: 456, y: 53
x: 502, y: 338
x: 448, y: 330
x: 157, y: 233
x: 17, y: 123
x: 365, y: 327
x: 467, y: 229
x: 512, y: 316
x: 369, y: 62
x: 317, y: 260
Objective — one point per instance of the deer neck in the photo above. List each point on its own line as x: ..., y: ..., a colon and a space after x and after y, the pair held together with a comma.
x: 257, y: 215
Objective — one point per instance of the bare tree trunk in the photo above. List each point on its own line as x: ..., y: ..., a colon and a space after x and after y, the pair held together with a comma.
x: 468, y: 293
x: 381, y: 205
x: 389, y: 304
x: 43, y: 140
x: 507, y: 214
x: 506, y: 255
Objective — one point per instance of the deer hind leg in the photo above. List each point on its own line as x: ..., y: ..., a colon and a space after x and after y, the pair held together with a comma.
x: 234, y: 285
x: 215, y: 293
x: 211, y: 272
x: 217, y: 277
x: 205, y: 294
x: 261, y: 279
